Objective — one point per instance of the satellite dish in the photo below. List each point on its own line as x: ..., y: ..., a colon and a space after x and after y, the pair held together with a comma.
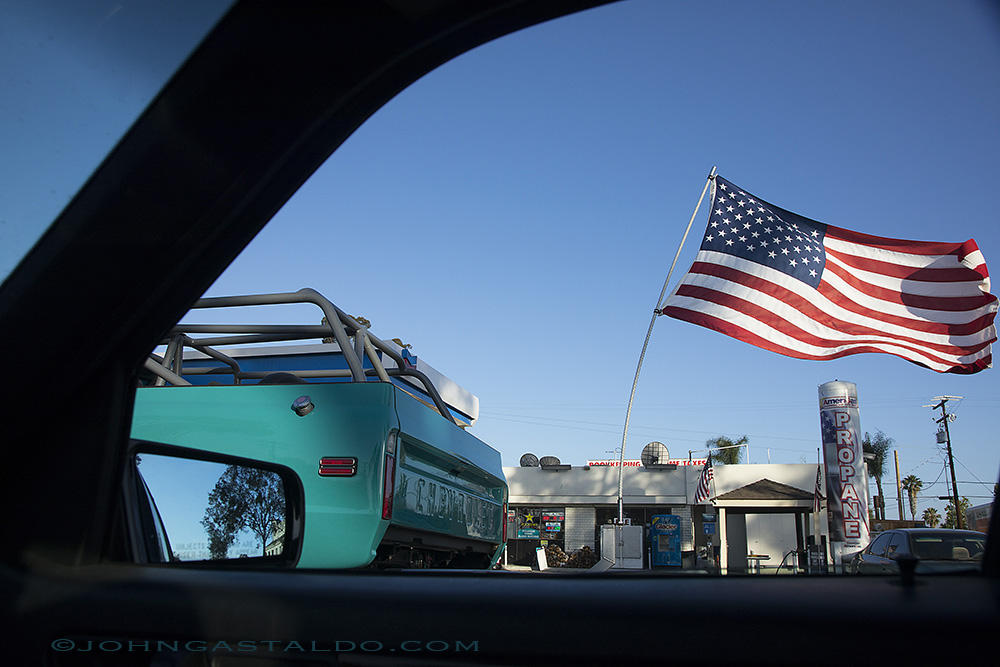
x: 529, y: 460
x: 549, y: 461
x: 654, y: 453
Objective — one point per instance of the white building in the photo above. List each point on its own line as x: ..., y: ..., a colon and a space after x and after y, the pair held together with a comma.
x: 762, y: 510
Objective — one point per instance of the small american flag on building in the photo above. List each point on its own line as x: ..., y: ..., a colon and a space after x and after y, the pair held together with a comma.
x: 703, y: 493
x: 818, y: 490
x: 809, y: 290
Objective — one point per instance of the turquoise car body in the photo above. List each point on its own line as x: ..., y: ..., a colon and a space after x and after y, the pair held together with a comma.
x: 448, y: 486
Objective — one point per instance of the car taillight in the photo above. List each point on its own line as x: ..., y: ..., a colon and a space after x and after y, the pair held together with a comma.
x: 388, y: 486
x: 504, y: 536
x: 338, y: 466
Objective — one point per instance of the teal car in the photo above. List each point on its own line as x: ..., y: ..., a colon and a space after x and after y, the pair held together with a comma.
x: 377, y: 464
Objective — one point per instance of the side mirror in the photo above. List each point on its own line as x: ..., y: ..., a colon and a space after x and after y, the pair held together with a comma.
x: 214, y: 511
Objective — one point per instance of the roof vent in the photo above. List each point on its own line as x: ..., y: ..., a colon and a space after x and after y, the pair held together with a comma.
x: 529, y: 460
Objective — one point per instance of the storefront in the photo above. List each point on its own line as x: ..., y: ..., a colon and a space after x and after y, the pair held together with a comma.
x: 766, y: 506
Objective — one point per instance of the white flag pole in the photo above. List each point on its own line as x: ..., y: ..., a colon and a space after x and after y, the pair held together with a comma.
x: 645, y: 344
x: 817, y: 513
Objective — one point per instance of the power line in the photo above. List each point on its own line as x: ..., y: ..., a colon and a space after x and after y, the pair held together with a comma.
x: 973, y: 474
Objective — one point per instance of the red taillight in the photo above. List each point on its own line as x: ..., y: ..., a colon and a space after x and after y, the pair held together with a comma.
x: 338, y: 466
x: 388, y: 486
x: 504, y: 538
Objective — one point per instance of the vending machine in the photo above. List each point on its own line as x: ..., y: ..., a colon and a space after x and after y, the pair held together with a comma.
x: 665, y: 540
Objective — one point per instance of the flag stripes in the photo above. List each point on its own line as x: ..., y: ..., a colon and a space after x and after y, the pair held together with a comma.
x: 814, y: 291
x: 704, y: 492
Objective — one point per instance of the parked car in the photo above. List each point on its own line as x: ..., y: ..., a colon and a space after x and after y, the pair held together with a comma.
x: 934, y: 549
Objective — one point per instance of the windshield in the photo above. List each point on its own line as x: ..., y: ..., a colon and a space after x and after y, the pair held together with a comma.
x: 486, y: 251
x: 75, y: 77
x: 540, y: 183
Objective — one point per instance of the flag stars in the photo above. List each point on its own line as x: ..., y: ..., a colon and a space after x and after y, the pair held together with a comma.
x: 750, y: 248
x: 792, y: 262
x: 784, y: 251
x: 754, y: 234
x: 812, y: 272
x: 746, y: 225
x: 770, y: 219
x: 741, y: 204
x: 715, y: 224
x: 738, y: 216
x: 771, y: 254
x: 729, y: 242
x: 722, y: 232
x: 815, y: 233
x: 743, y: 239
x: 722, y: 186
x: 729, y: 209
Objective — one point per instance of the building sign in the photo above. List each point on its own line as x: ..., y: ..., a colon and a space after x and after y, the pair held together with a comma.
x: 847, y: 503
x: 553, y: 515
x: 637, y: 463
x: 527, y: 533
x: 553, y: 526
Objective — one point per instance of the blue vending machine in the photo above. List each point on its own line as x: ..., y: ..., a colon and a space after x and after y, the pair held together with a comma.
x: 665, y: 540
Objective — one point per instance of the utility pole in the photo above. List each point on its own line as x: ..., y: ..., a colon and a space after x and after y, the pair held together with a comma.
x: 945, y: 418
x: 899, y: 487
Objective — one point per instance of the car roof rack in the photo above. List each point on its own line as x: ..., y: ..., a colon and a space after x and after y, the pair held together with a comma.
x: 352, y: 337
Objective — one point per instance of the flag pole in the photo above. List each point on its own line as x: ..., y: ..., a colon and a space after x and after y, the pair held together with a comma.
x: 645, y: 344
x: 818, y: 505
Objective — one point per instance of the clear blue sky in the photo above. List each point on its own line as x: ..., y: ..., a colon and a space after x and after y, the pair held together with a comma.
x: 512, y: 214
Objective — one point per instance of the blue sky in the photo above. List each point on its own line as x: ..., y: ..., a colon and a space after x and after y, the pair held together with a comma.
x: 513, y: 213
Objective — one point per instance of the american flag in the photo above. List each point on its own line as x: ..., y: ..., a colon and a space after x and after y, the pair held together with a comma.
x: 818, y: 490
x: 809, y: 290
x: 703, y: 493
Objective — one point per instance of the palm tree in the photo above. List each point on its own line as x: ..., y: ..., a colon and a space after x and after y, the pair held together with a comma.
x: 879, y: 446
x: 725, y: 451
x: 950, y: 518
x: 931, y: 517
x: 912, y: 485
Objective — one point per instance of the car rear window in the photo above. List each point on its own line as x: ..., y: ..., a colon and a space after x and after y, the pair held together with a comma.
x: 948, y: 547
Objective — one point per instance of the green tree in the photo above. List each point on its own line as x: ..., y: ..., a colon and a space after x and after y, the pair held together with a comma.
x: 725, y: 451
x: 912, y: 485
x: 242, y: 498
x: 949, y: 512
x: 878, y: 445
x: 931, y: 517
